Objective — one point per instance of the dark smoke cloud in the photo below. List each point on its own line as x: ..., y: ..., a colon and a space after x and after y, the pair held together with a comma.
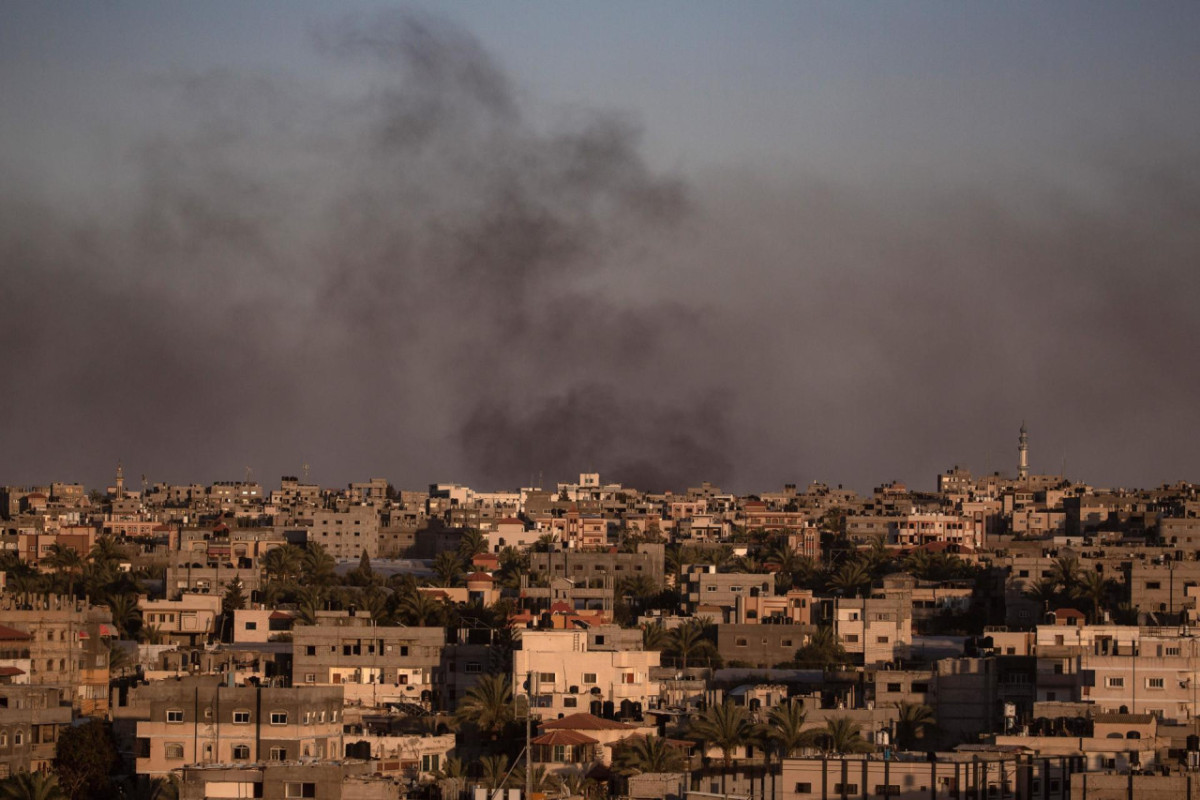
x: 419, y: 282
x: 358, y: 283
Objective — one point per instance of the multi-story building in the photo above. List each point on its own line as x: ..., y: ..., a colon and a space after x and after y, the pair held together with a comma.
x: 31, y: 719
x: 588, y: 566
x: 375, y: 664
x: 200, y: 720
x: 68, y: 646
x: 347, y: 534
x: 189, y: 619
x: 603, y: 671
x: 324, y: 780
x: 703, y: 586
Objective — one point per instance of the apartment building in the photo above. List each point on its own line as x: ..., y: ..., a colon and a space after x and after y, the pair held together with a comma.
x: 878, y: 629
x: 347, y: 534
x: 189, y: 619
x: 31, y: 720
x: 703, y: 586
x: 589, y: 566
x: 375, y: 664
x: 323, y: 780
x: 201, y: 720
x: 603, y: 671
x: 68, y: 646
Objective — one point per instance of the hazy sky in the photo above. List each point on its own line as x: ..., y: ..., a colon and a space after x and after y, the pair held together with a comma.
x: 753, y: 243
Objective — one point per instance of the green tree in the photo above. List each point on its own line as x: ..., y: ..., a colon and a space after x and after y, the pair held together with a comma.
x: 31, y: 786
x: 66, y: 561
x: 492, y: 771
x: 471, y: 543
x: 283, y: 563
x: 822, y: 650
x: 488, y: 705
x: 420, y: 609
x: 234, y: 599
x: 85, y: 759
x: 1097, y: 590
x: 447, y: 569
x: 541, y: 780
x: 841, y: 735
x: 785, y: 727
x: 655, y: 636
x: 690, y: 643
x: 851, y: 578
x: 126, y: 615
x: 317, y: 566
x: 725, y: 726
x: 914, y: 721
x: 648, y: 754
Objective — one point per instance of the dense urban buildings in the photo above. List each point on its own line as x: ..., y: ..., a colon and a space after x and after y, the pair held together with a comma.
x: 1027, y: 637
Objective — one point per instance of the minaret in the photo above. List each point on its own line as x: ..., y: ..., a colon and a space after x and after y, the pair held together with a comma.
x: 1023, y: 454
x: 120, y: 482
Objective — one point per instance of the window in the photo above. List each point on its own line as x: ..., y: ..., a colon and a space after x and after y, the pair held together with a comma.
x: 560, y: 753
x: 546, y: 677
x: 251, y: 626
x: 786, y: 643
x: 589, y: 677
x: 4, y: 739
x: 741, y: 641
x: 279, y: 718
x: 804, y: 788
x: 174, y: 715
x: 1115, y: 683
x: 310, y: 650
x: 628, y: 677
x: 474, y: 667
x: 1172, y: 651
x: 241, y: 752
x: 570, y: 702
x: 278, y: 753
x: 173, y: 751
x: 845, y: 788
x: 894, y: 687
x: 853, y: 637
x: 241, y: 717
x: 429, y: 762
x: 887, y: 789
x: 881, y: 639
x: 1154, y: 683
x: 1153, y: 585
x: 299, y: 790
x: 310, y: 677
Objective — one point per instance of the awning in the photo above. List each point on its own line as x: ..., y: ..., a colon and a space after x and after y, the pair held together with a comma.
x: 108, y: 630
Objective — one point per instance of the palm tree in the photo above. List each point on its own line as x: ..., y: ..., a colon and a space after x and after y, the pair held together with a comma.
x: 125, y: 614
x: 420, y: 609
x: 785, y: 726
x: 640, y: 754
x: 1065, y: 573
x: 471, y: 543
x: 725, y: 726
x: 488, y: 705
x: 842, y: 735
x: 689, y: 642
x: 1096, y: 589
x: 913, y: 721
x: 451, y: 776
x: 31, y: 786
x: 492, y: 771
x: 106, y: 551
x: 283, y: 563
x: 822, y: 650
x: 375, y: 602
x: 545, y: 543
x: 851, y: 578
x: 655, y: 636
x: 447, y: 569
x: 1043, y: 591
x: 66, y: 561
x: 576, y: 784
x: 541, y: 780
x: 317, y: 566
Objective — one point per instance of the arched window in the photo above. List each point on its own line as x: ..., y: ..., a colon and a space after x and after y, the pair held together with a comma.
x: 173, y: 751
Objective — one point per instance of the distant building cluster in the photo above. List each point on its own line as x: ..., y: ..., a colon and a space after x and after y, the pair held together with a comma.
x: 999, y: 637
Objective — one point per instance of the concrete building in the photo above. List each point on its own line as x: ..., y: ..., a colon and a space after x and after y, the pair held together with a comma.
x: 322, y: 780
x: 347, y: 534
x: 603, y: 671
x: 68, y: 646
x: 191, y: 619
x: 31, y: 720
x: 374, y: 664
x: 200, y: 720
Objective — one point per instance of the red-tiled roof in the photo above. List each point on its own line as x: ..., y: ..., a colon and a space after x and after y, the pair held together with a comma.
x: 8, y: 672
x: 478, y: 576
x: 567, y: 737
x: 586, y: 722
x: 279, y: 615
x: 12, y: 634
